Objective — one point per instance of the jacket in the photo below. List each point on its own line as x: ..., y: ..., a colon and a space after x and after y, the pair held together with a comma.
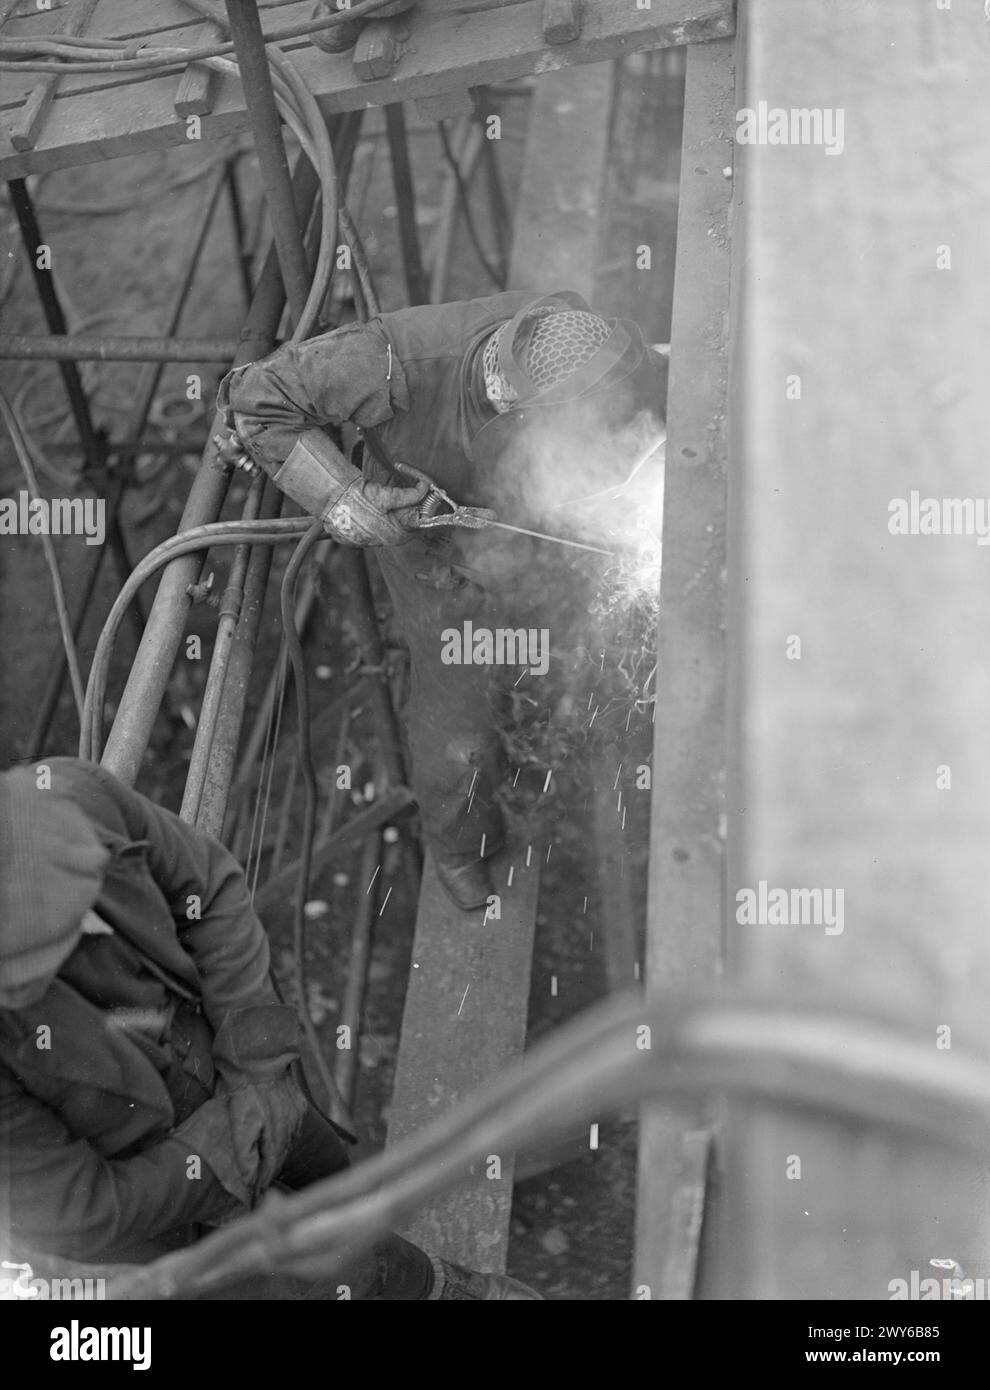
x: 95, y: 1150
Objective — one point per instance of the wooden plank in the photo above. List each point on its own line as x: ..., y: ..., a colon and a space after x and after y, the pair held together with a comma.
x: 446, y: 52
x: 561, y: 20
x: 377, y: 50
x: 197, y: 88
x: 835, y: 756
x: 464, y: 1021
x: 556, y: 243
x: 685, y: 910
x: 172, y: 21
x: 31, y: 117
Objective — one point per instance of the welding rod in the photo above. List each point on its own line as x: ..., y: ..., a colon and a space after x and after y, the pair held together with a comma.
x: 557, y: 540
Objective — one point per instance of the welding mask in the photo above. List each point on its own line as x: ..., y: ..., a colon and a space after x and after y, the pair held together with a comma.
x: 566, y: 383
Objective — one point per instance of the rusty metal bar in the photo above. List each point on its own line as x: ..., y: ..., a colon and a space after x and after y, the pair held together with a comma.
x: 83, y: 348
x: 31, y: 236
x: 352, y: 1005
x: 228, y: 615
x: 235, y: 673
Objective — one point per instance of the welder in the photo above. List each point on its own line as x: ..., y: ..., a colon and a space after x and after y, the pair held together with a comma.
x: 149, y: 1072
x: 489, y: 401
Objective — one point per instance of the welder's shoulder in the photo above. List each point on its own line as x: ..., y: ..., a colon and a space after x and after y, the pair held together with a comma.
x: 90, y: 787
x: 447, y: 330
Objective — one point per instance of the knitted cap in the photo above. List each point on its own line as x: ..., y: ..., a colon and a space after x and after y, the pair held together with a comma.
x: 51, y: 869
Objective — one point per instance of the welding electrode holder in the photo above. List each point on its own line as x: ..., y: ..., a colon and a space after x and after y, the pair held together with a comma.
x: 438, y: 508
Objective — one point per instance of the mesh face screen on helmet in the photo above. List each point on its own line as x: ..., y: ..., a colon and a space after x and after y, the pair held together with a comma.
x: 561, y: 342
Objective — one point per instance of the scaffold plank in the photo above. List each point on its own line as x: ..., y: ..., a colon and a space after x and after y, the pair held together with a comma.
x: 445, y: 51
x: 464, y: 1022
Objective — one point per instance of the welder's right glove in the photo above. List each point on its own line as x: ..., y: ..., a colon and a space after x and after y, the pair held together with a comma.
x: 354, y: 510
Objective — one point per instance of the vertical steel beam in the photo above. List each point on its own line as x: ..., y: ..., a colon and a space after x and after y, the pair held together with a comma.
x: 259, y: 95
x: 684, y: 906
x: 417, y: 286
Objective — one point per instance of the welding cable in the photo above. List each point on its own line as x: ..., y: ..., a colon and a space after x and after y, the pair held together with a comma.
x: 159, y: 58
x: 807, y: 1055
x: 359, y: 259
x: 64, y: 622
x: 311, y: 794
x: 264, y: 532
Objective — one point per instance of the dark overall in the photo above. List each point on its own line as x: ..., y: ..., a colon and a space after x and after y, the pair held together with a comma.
x: 409, y: 374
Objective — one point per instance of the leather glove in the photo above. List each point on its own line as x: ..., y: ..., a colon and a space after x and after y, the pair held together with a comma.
x: 354, y: 510
x: 245, y: 1135
x: 370, y: 514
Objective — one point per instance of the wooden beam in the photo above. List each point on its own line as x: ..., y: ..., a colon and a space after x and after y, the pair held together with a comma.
x: 198, y: 84
x: 464, y: 1021
x: 377, y: 50
x: 863, y: 358
x: 446, y: 52
x: 685, y: 911
x: 31, y: 118
x: 561, y: 20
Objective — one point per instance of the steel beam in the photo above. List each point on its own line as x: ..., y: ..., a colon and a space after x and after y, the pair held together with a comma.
x: 684, y: 905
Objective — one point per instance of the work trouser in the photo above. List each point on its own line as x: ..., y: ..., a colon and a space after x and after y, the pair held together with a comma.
x: 456, y: 756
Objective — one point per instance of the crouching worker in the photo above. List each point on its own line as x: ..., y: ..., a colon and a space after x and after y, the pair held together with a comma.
x: 147, y: 1089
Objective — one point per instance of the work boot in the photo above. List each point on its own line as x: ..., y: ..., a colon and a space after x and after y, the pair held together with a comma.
x: 454, y: 1282
x: 465, y: 878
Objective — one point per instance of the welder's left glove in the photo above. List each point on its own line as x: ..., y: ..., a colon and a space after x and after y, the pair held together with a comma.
x: 245, y: 1135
